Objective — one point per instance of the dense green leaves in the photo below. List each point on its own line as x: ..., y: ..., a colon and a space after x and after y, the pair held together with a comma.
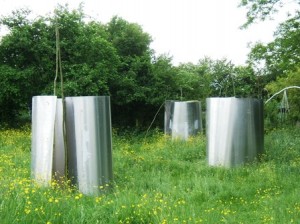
x: 12, y: 95
x: 283, y: 54
x: 128, y: 38
x: 116, y: 59
x: 278, y: 61
x: 291, y: 79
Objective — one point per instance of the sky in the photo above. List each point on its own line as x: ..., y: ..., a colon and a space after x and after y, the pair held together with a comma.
x: 187, y: 30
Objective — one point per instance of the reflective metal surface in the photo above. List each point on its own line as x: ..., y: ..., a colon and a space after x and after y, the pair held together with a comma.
x: 43, y: 118
x: 182, y: 119
x: 89, y: 140
x: 59, y: 148
x: 235, y: 131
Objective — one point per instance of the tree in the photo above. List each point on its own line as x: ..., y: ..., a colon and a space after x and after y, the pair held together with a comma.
x: 27, y: 46
x: 193, y: 81
x: 292, y: 79
x: 281, y: 56
x: 105, y: 59
x: 132, y: 88
x: 276, y: 60
x: 260, y: 10
x: 247, y: 83
x: 218, y: 75
x: 164, y: 85
x: 89, y: 60
x: 13, y: 87
x: 25, y: 60
x: 132, y: 46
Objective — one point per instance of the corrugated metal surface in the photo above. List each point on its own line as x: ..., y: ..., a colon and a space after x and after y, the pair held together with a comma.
x: 89, y: 140
x: 182, y: 119
x: 43, y: 119
x: 235, y: 132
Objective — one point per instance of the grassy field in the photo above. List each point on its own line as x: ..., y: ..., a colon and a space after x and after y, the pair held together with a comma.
x: 159, y: 181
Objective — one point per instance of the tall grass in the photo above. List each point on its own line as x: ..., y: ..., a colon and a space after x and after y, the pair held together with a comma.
x: 157, y: 180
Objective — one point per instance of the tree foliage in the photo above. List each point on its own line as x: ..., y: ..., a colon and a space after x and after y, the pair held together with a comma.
x: 283, y: 54
x: 112, y: 59
x: 278, y: 61
x: 261, y: 10
x: 293, y: 115
x: 106, y: 59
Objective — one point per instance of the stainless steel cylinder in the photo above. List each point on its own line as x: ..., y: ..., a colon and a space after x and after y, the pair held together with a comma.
x: 235, y: 130
x: 89, y: 138
x: 59, y: 153
x: 182, y: 119
x: 43, y: 119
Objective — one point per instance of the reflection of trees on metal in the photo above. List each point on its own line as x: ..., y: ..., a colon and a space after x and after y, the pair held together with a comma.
x: 182, y: 118
x: 234, y: 129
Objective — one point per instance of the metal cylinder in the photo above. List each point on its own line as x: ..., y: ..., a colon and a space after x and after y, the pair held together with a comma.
x: 59, y: 147
x: 235, y: 130
x: 89, y: 138
x: 43, y: 119
x: 182, y: 119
